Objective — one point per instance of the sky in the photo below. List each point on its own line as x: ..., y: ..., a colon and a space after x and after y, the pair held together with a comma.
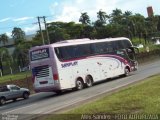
x: 24, y: 13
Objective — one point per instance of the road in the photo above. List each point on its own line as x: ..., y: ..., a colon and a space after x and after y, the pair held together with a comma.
x: 45, y: 103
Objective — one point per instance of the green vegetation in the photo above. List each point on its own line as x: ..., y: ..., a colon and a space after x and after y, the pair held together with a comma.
x: 142, y: 98
x: 151, y: 48
x: 18, y: 76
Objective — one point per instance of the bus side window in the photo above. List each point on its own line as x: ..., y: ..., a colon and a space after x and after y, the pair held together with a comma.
x: 84, y: 50
x: 77, y: 52
x: 93, y: 49
x: 70, y: 52
x: 109, y: 47
x: 58, y: 53
x: 63, y: 53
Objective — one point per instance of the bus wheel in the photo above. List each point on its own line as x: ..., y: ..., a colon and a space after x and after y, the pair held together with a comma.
x: 89, y: 81
x: 58, y: 92
x: 79, y: 84
x: 126, y: 71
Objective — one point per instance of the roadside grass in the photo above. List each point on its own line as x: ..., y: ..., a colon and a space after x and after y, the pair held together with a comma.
x: 13, y: 77
x: 141, y: 98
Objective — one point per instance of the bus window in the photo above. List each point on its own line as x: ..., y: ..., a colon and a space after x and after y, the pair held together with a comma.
x: 67, y: 52
x: 109, y: 47
x: 83, y: 50
x: 64, y: 53
x: 127, y: 44
x: 103, y: 48
x: 120, y: 44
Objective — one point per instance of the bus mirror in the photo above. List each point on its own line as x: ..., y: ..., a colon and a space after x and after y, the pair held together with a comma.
x: 135, y: 49
x: 129, y: 50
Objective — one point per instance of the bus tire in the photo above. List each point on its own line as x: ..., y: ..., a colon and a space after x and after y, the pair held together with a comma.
x: 89, y: 81
x: 126, y: 71
x: 79, y: 84
x: 58, y: 92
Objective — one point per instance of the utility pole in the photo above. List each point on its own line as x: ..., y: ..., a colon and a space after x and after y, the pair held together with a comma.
x: 44, y: 18
x: 41, y: 30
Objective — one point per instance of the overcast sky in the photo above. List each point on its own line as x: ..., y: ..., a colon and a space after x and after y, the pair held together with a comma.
x: 23, y: 13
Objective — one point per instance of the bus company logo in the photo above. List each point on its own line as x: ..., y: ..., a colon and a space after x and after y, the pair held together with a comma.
x: 39, y: 51
x: 69, y: 64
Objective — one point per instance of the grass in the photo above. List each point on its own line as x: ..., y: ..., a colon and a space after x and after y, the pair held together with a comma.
x: 142, y: 98
x: 13, y: 77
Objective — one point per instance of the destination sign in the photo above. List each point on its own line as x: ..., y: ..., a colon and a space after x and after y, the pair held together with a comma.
x: 40, y: 54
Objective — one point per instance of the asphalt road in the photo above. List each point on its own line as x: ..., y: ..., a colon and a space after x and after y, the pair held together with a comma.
x: 45, y: 103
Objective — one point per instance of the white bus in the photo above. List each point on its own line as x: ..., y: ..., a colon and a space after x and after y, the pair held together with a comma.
x: 79, y: 63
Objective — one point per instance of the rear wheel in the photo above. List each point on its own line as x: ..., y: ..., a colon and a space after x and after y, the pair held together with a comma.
x: 58, y: 92
x: 79, y: 84
x: 25, y: 95
x: 126, y: 71
x: 2, y: 101
x: 89, y: 81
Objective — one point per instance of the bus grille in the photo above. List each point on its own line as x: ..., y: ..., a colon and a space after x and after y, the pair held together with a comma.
x: 41, y: 71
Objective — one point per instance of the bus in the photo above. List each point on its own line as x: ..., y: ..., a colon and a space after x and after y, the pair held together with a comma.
x: 79, y: 63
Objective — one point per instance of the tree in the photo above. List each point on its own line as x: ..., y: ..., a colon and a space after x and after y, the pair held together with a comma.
x: 158, y: 25
x: 58, y: 31
x: 116, y: 16
x: 102, y: 17
x: 116, y: 13
x: 37, y: 39
x: 4, y: 58
x: 127, y: 13
x: 20, y: 53
x: 4, y: 38
x: 74, y: 30
x: 84, y: 18
x: 128, y: 24
x: 18, y: 35
x: 21, y: 47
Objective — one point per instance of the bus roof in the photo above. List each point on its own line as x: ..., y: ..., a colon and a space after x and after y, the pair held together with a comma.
x: 85, y: 41
x: 79, y: 41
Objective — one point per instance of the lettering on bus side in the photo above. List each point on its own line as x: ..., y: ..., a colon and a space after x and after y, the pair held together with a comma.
x: 68, y: 64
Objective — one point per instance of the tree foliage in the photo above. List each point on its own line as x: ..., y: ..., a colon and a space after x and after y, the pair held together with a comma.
x: 84, y: 18
x: 18, y: 35
x: 102, y: 17
x: 4, y: 39
x: 116, y: 24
